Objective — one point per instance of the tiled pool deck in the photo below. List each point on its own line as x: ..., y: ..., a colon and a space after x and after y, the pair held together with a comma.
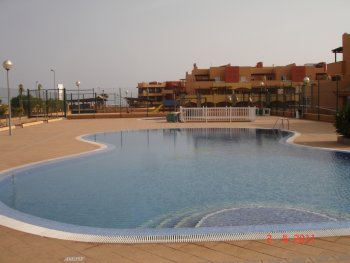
x: 56, y: 139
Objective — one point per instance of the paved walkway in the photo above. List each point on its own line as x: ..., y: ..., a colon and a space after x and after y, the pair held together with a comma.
x: 56, y: 139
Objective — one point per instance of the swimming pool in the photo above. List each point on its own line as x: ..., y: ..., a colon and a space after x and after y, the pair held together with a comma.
x: 180, y: 180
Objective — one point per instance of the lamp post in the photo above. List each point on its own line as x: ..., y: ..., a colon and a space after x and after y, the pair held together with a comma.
x: 54, y: 79
x: 7, y: 66
x: 262, y: 84
x: 77, y: 83
x: 306, y: 82
x: 54, y: 87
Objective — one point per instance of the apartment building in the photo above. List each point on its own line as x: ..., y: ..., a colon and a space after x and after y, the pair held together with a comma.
x: 259, y: 86
x: 277, y: 87
x: 160, y: 93
x: 339, y: 72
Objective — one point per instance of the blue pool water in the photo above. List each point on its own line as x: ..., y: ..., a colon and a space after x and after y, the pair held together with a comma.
x: 187, y: 178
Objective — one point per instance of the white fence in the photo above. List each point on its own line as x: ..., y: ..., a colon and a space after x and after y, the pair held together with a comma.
x: 218, y: 114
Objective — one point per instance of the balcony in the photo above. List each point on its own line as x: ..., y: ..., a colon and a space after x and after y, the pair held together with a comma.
x: 273, y: 83
x: 231, y: 85
x: 336, y: 68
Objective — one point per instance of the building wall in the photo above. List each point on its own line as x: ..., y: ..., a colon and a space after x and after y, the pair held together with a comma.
x: 284, y: 73
x: 244, y: 74
x: 217, y: 73
x: 336, y: 68
x: 346, y: 53
x: 298, y: 73
x: 231, y: 74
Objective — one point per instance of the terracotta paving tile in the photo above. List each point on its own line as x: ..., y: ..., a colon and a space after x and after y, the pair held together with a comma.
x: 177, y: 245
x: 241, y: 252
x: 138, y: 255
x: 38, y: 242
x: 271, y: 250
x: 330, y: 246
x: 8, y: 241
x: 51, y: 251
x: 170, y: 253
x: 332, y: 239
x: 343, y: 241
x: 302, y: 249
x: 40, y: 256
x: 208, y: 254
x: 9, y: 256
x: 343, y: 258
x: 4, y: 230
x: 76, y: 246
x: 324, y: 258
x: 105, y: 254
x: 240, y: 243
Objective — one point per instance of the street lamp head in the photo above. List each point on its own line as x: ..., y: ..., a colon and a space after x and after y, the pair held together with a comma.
x: 262, y: 83
x: 7, y: 65
x: 306, y: 80
x: 77, y: 83
x: 52, y: 70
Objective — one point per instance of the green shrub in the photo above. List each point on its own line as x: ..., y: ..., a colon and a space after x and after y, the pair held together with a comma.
x: 342, y: 121
x: 3, y: 110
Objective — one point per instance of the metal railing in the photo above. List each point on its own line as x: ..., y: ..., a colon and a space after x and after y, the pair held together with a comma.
x: 280, y: 124
x: 218, y: 114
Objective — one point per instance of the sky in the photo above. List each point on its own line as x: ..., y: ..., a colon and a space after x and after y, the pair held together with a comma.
x: 112, y: 44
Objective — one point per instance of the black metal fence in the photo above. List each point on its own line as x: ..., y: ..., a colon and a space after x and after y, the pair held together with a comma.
x: 43, y: 104
x: 89, y: 101
x: 318, y: 98
x: 46, y: 103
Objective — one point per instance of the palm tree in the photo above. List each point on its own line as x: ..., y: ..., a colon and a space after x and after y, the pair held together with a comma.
x: 40, y: 87
x: 20, y: 91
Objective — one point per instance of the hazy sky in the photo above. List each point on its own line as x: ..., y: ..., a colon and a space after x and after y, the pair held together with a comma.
x: 115, y: 44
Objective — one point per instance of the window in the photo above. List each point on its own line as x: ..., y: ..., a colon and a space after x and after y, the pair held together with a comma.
x: 243, y: 79
x: 270, y: 77
x: 203, y: 91
x: 202, y: 77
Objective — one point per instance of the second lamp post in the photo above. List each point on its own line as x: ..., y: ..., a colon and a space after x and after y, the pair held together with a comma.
x: 77, y: 83
x: 7, y: 66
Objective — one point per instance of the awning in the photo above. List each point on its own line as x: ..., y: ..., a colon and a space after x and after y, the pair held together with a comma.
x: 338, y: 50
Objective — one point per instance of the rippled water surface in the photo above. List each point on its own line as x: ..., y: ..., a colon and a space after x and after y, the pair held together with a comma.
x: 187, y: 178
